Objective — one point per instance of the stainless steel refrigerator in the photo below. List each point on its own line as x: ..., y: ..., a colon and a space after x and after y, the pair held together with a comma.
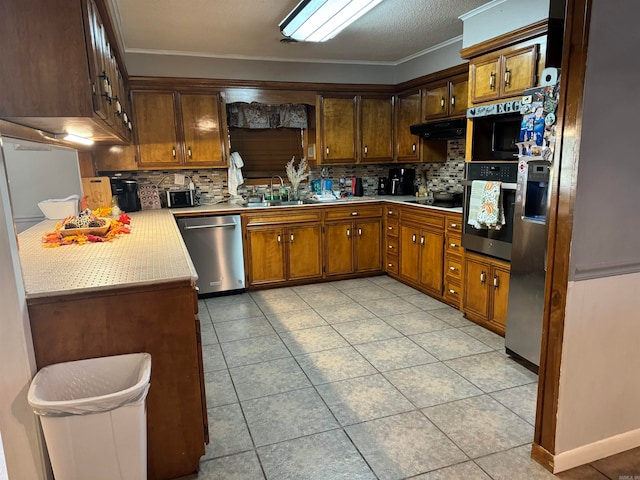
x: 528, y: 261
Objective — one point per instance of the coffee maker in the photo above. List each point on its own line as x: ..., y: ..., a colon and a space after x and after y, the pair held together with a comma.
x: 401, y: 181
x: 126, y: 194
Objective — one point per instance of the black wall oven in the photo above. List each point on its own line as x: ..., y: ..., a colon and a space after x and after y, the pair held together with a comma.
x: 496, y: 243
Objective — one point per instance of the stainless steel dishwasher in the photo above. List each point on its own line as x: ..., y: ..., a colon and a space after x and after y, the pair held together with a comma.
x: 215, y: 246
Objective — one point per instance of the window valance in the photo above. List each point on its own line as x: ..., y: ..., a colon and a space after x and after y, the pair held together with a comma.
x: 260, y: 115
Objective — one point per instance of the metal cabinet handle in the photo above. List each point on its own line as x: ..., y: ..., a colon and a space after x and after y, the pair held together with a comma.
x: 173, y: 152
x: 327, y: 151
x: 413, y: 147
x: 390, y: 247
x: 359, y: 232
x: 414, y: 237
x: 442, y: 103
x: 454, y: 245
x: 389, y: 228
x: 483, y: 277
x: 279, y: 239
x: 453, y: 292
x: 366, y: 149
x: 507, y: 78
x: 354, y: 214
x: 348, y: 232
x: 291, y: 237
x: 390, y: 212
x: 118, y: 107
x: 454, y: 225
x: 453, y: 100
x: 496, y: 282
x: 453, y: 269
x: 189, y: 152
x: 422, y: 240
x: 492, y: 81
x: 390, y: 265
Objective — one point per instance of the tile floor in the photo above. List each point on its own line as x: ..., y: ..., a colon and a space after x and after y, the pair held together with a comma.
x: 361, y: 379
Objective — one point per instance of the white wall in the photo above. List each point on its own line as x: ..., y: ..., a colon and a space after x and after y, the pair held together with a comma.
x: 599, y: 393
x: 20, y: 429
x: 447, y: 55
x: 500, y: 17
x: 37, y: 172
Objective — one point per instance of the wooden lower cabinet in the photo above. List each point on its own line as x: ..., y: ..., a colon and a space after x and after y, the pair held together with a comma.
x: 278, y: 254
x: 486, y: 291
x: 421, y: 257
x: 161, y: 320
x: 353, y: 247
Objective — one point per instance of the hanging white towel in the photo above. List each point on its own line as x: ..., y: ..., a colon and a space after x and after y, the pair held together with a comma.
x: 235, y: 173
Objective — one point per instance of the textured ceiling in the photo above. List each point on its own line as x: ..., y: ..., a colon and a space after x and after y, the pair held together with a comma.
x: 391, y: 32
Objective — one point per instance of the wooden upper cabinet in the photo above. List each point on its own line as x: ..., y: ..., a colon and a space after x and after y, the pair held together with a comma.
x: 376, y: 120
x: 446, y: 98
x: 505, y: 73
x: 61, y: 73
x: 338, y: 129
x: 176, y: 130
x: 201, y: 127
x: 156, y: 136
x: 407, y: 114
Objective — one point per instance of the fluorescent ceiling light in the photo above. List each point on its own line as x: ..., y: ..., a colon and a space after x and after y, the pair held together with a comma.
x: 321, y: 20
x: 70, y: 137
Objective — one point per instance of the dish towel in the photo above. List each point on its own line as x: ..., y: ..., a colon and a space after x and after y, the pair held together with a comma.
x: 485, y: 205
x: 235, y: 173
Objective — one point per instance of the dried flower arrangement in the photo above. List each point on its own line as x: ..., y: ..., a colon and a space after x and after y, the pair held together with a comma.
x: 296, y: 176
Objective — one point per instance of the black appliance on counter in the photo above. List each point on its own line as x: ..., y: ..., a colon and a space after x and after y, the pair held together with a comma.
x: 401, y: 181
x: 125, y: 192
x: 383, y: 186
x: 496, y: 243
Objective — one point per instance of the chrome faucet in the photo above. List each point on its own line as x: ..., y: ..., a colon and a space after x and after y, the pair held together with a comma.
x: 281, y: 184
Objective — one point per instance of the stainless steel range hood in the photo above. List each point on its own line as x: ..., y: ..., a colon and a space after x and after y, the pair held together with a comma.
x: 445, y: 130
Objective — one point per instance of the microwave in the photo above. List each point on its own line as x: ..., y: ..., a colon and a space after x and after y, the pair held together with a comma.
x: 180, y: 198
x: 495, y: 137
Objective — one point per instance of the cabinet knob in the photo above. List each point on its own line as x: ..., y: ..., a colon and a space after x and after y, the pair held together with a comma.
x: 366, y: 149
x: 173, y: 152
x: 390, y: 265
x: 453, y: 269
x: 390, y: 247
x: 453, y: 100
x: 414, y: 238
x: 483, y: 277
x: 442, y: 103
x: 359, y: 232
x: 413, y: 148
x: 348, y: 232
x: 454, y: 245
x: 189, y: 152
x: 390, y: 212
x: 492, y: 81
x: 354, y: 214
x: 291, y: 238
x: 453, y: 292
x: 279, y: 239
x: 389, y: 228
x: 454, y: 225
x: 422, y: 240
x: 327, y: 151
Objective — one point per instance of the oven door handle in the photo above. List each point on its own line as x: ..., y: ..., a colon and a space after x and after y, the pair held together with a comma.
x: 506, y: 186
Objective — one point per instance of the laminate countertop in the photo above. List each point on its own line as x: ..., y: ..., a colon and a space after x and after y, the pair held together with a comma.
x: 152, y: 253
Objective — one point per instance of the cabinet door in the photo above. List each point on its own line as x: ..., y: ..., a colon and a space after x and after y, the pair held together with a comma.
x: 339, y: 248
x: 156, y: 128
x: 431, y: 260
x: 519, y: 71
x: 339, y: 130
x: 458, y: 96
x: 265, y: 248
x: 500, y: 286
x: 368, y: 245
x: 305, y: 252
x: 202, y: 130
x: 376, y: 122
x: 410, y: 253
x: 476, y: 287
x: 408, y: 114
x: 435, y: 100
x: 484, y: 80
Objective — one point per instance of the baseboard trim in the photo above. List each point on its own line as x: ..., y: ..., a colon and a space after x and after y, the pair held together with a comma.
x: 542, y: 456
x: 595, y: 451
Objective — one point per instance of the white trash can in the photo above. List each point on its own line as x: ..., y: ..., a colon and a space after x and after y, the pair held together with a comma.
x: 93, y: 415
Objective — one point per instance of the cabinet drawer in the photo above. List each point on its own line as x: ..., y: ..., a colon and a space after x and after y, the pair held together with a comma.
x: 391, y: 264
x: 392, y: 228
x: 422, y: 217
x: 356, y: 211
x: 453, y: 268
x: 391, y: 212
x: 454, y: 245
x: 392, y: 246
x: 283, y: 216
x: 453, y: 292
x: 454, y: 224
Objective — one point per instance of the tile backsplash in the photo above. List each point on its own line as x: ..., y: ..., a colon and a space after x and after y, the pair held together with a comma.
x: 212, y: 183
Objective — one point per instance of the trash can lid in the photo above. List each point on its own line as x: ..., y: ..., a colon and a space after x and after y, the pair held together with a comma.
x: 89, y: 386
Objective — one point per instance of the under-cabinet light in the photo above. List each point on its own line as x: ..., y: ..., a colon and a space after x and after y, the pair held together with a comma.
x: 321, y: 20
x: 70, y: 137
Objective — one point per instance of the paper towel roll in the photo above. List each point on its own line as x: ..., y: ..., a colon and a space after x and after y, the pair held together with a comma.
x: 549, y: 76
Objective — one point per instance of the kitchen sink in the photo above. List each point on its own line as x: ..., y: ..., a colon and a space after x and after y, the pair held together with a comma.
x: 276, y: 203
